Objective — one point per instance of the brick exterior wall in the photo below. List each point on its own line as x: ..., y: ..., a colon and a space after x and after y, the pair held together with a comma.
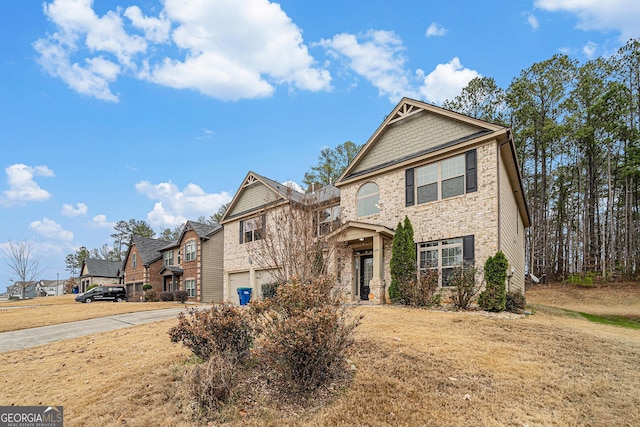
x: 469, y: 214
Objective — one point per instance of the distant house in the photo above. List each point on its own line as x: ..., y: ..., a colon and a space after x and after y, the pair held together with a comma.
x: 50, y: 287
x: 142, y: 265
x: 194, y: 262
x: 96, y: 272
x: 15, y: 290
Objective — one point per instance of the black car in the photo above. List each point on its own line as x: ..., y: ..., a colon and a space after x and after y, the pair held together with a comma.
x: 104, y: 293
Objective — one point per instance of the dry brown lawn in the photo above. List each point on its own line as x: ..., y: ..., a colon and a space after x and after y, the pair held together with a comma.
x: 31, y: 313
x: 413, y: 367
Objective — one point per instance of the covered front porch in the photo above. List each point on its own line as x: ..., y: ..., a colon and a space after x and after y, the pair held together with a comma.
x: 365, y: 247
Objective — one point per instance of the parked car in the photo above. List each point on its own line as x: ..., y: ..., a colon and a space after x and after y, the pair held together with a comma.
x: 103, y: 293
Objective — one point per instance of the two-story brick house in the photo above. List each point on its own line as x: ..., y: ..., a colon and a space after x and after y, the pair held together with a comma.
x: 253, y: 215
x: 142, y: 265
x: 455, y: 177
x: 194, y: 262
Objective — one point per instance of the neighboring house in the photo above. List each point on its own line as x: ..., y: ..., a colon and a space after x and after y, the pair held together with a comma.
x: 96, y: 272
x: 194, y: 263
x: 250, y: 213
x: 455, y: 177
x: 50, y: 287
x: 142, y: 265
x: 15, y: 290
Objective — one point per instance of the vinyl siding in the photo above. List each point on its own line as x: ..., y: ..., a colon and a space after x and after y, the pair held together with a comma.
x: 252, y: 197
x: 212, y: 268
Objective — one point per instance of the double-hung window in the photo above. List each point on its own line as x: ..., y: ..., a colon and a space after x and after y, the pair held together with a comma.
x: 445, y: 255
x: 190, y: 287
x: 326, y: 219
x: 252, y: 229
x: 442, y: 179
x: 168, y: 258
x: 190, y: 251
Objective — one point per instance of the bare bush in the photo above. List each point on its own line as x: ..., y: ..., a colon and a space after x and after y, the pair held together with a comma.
x: 422, y: 292
x: 307, y: 332
x: 465, y: 286
x: 224, y: 329
x: 211, y: 383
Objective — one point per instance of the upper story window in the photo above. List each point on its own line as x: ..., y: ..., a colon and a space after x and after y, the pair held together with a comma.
x: 367, y: 199
x: 252, y: 229
x: 190, y: 251
x: 134, y: 261
x: 441, y: 180
x: 168, y: 258
x: 326, y: 219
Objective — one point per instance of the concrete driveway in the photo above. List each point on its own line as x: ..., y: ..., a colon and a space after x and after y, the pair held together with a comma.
x: 17, y: 340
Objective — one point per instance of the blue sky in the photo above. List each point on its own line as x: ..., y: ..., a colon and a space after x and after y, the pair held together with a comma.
x: 156, y: 110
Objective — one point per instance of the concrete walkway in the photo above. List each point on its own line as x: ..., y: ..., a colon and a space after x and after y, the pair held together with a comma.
x: 17, y: 340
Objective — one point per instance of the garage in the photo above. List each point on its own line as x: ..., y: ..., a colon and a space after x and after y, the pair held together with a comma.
x: 238, y: 280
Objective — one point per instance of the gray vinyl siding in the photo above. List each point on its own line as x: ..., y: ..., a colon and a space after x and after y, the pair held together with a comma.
x: 213, y: 268
x: 252, y: 197
x: 413, y: 135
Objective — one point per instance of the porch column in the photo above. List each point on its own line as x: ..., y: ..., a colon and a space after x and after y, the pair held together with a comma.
x: 377, y: 281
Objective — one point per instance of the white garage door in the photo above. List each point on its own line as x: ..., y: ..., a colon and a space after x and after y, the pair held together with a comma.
x: 237, y: 280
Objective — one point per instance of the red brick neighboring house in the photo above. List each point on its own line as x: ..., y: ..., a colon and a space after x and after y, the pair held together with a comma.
x: 194, y: 262
x: 142, y: 266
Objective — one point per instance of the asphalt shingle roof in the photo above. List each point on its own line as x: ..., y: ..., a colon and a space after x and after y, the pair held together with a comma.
x: 102, y: 268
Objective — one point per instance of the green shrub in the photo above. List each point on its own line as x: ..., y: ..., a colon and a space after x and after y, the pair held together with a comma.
x: 583, y: 280
x: 146, y: 287
x: 515, y: 301
x: 493, y: 298
x: 269, y: 290
x: 166, y: 296
x: 403, y: 262
x: 306, y: 334
x: 464, y: 286
x: 180, y: 296
x: 224, y: 329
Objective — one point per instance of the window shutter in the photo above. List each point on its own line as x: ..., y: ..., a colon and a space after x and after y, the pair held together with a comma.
x: 409, y: 187
x: 241, y: 230
x: 471, y: 171
x: 264, y: 226
x: 468, y: 250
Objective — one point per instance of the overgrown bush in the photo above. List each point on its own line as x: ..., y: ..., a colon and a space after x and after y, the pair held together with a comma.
x: 515, y: 302
x: 423, y: 292
x: 493, y: 298
x: 306, y: 334
x: 146, y: 287
x: 180, y: 296
x: 211, y: 383
x: 224, y: 329
x: 269, y: 289
x: 166, y: 296
x: 586, y: 280
x: 464, y: 286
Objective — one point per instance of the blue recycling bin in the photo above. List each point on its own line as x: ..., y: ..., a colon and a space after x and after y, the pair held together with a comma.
x: 244, y: 295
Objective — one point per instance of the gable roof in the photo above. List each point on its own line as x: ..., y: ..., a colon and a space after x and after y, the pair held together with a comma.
x: 437, y: 128
x: 102, y: 268
x: 148, y: 248
x: 256, y: 193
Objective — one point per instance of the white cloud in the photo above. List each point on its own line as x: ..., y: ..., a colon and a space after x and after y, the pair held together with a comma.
x: 377, y: 56
x: 294, y: 186
x: 532, y: 21
x: 590, y: 49
x: 436, y: 29
x: 446, y: 81
x: 227, y: 49
x: 69, y: 210
x: 100, y: 221
x: 50, y: 229
x: 175, y: 206
x: 22, y: 186
x: 619, y: 15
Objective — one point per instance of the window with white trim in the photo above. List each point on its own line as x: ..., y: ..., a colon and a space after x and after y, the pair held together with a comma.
x: 168, y: 258
x: 367, y: 199
x: 441, y: 255
x: 190, y: 287
x: 326, y: 220
x: 190, y: 251
x: 440, y: 180
x: 252, y: 229
x: 134, y: 261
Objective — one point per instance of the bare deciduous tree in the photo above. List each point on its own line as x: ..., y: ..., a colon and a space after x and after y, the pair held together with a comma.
x: 23, y: 262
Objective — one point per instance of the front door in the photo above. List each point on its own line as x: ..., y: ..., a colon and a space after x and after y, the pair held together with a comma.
x: 366, y: 273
